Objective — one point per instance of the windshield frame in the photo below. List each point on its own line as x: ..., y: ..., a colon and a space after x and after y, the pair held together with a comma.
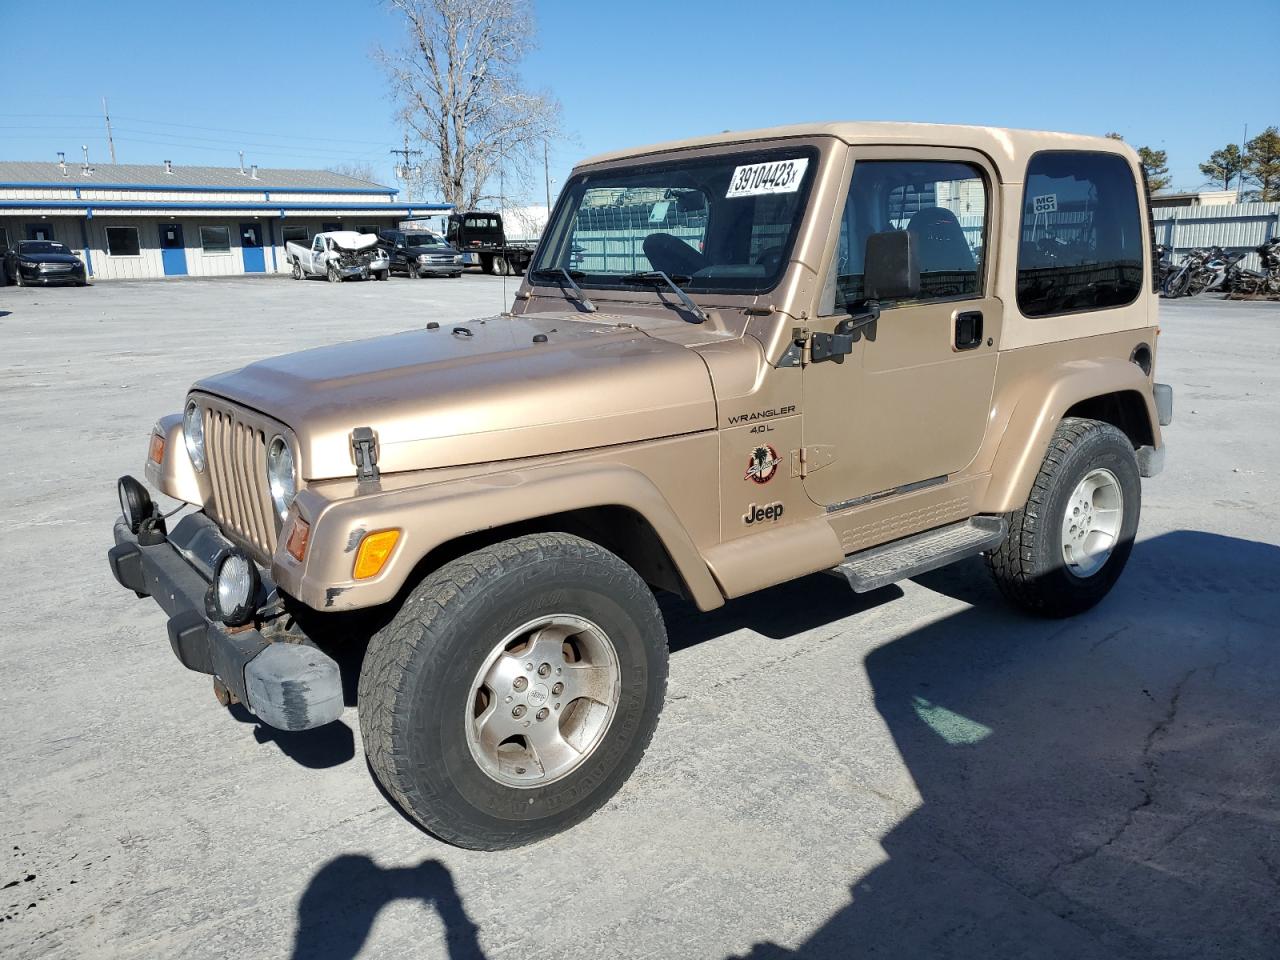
x: 557, y: 241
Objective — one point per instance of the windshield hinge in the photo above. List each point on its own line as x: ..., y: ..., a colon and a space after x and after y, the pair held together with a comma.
x: 810, y: 459
x: 364, y: 444
x: 795, y: 354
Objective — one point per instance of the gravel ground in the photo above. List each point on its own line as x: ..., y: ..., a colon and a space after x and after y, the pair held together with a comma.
x: 914, y: 772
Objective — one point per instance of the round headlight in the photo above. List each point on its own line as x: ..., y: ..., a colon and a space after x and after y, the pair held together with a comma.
x: 193, y: 433
x: 281, y: 477
x: 233, y: 595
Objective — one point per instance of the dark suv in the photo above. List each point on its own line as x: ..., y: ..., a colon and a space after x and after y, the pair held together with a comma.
x: 42, y: 262
x: 421, y: 254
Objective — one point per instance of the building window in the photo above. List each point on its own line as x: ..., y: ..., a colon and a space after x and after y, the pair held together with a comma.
x: 123, y: 242
x: 942, y: 203
x: 368, y: 228
x: 331, y: 227
x: 1082, y: 237
x: 295, y: 234
x: 215, y: 239
x: 4, y: 239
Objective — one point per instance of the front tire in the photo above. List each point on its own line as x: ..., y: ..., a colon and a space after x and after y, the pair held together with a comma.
x: 514, y: 691
x: 333, y: 274
x: 1067, y: 547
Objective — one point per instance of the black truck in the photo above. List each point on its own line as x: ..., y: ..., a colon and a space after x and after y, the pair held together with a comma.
x: 482, y: 241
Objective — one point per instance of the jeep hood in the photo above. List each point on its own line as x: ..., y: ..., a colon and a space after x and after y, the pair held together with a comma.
x: 478, y: 392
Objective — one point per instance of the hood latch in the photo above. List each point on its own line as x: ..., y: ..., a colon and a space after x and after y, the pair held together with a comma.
x: 364, y: 444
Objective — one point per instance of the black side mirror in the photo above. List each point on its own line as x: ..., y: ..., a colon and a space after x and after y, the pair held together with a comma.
x: 892, y: 268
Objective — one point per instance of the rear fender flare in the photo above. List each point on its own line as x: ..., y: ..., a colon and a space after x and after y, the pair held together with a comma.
x: 1041, y: 404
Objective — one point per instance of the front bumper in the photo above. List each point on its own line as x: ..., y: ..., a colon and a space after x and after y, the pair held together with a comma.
x: 440, y: 268
x: 45, y: 278
x: 288, y: 684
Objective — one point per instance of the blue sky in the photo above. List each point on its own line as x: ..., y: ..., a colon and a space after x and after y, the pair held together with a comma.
x: 292, y: 84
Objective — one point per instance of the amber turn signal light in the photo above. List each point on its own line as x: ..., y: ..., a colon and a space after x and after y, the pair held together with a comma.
x: 296, y: 545
x: 156, y: 451
x: 374, y: 551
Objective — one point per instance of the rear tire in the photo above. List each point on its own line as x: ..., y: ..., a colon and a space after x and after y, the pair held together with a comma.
x: 297, y: 270
x: 442, y: 683
x: 1086, y: 500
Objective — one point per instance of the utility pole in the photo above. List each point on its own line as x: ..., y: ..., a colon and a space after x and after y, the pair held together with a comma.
x: 403, y: 169
x: 111, y: 144
x: 1243, y: 158
x: 546, y: 173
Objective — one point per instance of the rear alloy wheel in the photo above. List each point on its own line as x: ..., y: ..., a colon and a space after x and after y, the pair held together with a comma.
x: 334, y: 275
x: 1067, y: 547
x: 515, y: 690
x: 297, y: 270
x: 501, y: 267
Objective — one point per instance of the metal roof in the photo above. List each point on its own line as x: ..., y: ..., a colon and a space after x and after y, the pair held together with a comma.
x: 153, y: 176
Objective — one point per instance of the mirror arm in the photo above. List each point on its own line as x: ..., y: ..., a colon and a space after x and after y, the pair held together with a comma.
x: 835, y: 346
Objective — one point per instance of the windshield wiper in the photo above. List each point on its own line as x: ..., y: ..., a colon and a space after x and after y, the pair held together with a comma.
x: 657, y: 276
x: 567, y: 276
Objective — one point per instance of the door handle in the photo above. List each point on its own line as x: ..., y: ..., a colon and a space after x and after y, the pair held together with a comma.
x: 968, y: 329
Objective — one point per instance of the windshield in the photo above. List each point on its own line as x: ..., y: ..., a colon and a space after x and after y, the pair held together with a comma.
x: 424, y: 240
x: 41, y: 246
x: 716, y: 224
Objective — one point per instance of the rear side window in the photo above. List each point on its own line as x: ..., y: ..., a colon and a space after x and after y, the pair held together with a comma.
x: 1082, y: 237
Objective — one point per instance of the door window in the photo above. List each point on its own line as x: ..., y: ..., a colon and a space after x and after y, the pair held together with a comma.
x: 39, y: 231
x: 318, y: 244
x: 1082, y: 236
x: 4, y: 239
x: 942, y: 203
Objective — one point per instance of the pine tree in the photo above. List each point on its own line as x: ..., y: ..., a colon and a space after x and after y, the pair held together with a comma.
x: 1262, y: 164
x: 1155, y: 163
x: 1223, y: 165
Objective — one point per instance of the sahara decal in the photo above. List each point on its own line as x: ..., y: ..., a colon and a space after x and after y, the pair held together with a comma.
x: 763, y: 464
x: 770, y: 512
x: 740, y: 418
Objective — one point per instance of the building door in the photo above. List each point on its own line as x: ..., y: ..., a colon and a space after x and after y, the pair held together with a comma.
x: 251, y: 247
x: 173, y: 251
x: 39, y: 231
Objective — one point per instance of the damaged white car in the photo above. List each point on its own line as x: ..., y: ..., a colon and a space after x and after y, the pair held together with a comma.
x: 339, y: 255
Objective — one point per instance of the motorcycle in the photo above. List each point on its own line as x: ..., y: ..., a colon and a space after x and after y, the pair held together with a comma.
x: 1204, y: 271
x: 1264, y: 282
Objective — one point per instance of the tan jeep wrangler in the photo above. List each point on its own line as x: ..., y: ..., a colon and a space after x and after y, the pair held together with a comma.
x: 864, y: 348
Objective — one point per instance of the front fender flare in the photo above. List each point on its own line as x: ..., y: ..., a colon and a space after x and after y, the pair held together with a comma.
x: 433, y: 515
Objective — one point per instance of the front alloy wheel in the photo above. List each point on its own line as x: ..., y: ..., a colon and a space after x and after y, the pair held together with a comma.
x: 543, y: 700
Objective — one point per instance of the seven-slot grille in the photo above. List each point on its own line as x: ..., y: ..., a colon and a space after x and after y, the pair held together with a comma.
x: 237, y: 455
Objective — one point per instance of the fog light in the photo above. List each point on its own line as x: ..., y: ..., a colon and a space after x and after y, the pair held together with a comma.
x: 135, y: 503
x: 233, y: 595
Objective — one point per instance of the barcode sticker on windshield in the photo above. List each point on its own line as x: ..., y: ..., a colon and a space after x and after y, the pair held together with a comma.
x: 777, y: 176
x: 1046, y: 203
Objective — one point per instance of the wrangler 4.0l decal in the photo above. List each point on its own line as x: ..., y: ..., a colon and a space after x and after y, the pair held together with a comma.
x: 740, y: 418
x: 763, y: 464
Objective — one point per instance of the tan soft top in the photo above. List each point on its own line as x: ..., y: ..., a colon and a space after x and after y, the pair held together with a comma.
x: 1008, y: 148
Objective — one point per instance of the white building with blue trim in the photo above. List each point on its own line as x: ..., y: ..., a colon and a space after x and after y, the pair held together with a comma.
x: 135, y: 221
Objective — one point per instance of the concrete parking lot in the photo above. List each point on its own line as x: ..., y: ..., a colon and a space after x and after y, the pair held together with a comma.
x: 917, y: 772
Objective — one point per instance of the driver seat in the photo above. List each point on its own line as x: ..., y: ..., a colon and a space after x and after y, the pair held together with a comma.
x: 942, y: 245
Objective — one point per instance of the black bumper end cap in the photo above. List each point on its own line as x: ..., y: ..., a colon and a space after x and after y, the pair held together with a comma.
x: 125, y: 560
x: 293, y: 686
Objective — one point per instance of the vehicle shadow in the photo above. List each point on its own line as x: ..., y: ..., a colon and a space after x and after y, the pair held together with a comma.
x: 329, y: 746
x: 1106, y: 786
x: 343, y: 899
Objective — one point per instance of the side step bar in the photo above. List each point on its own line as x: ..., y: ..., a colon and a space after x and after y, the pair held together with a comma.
x: 902, y: 559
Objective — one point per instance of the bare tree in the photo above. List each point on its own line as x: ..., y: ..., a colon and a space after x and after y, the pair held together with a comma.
x: 358, y: 171
x: 457, y: 86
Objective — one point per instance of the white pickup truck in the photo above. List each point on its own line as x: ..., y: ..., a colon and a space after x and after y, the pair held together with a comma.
x: 339, y: 255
